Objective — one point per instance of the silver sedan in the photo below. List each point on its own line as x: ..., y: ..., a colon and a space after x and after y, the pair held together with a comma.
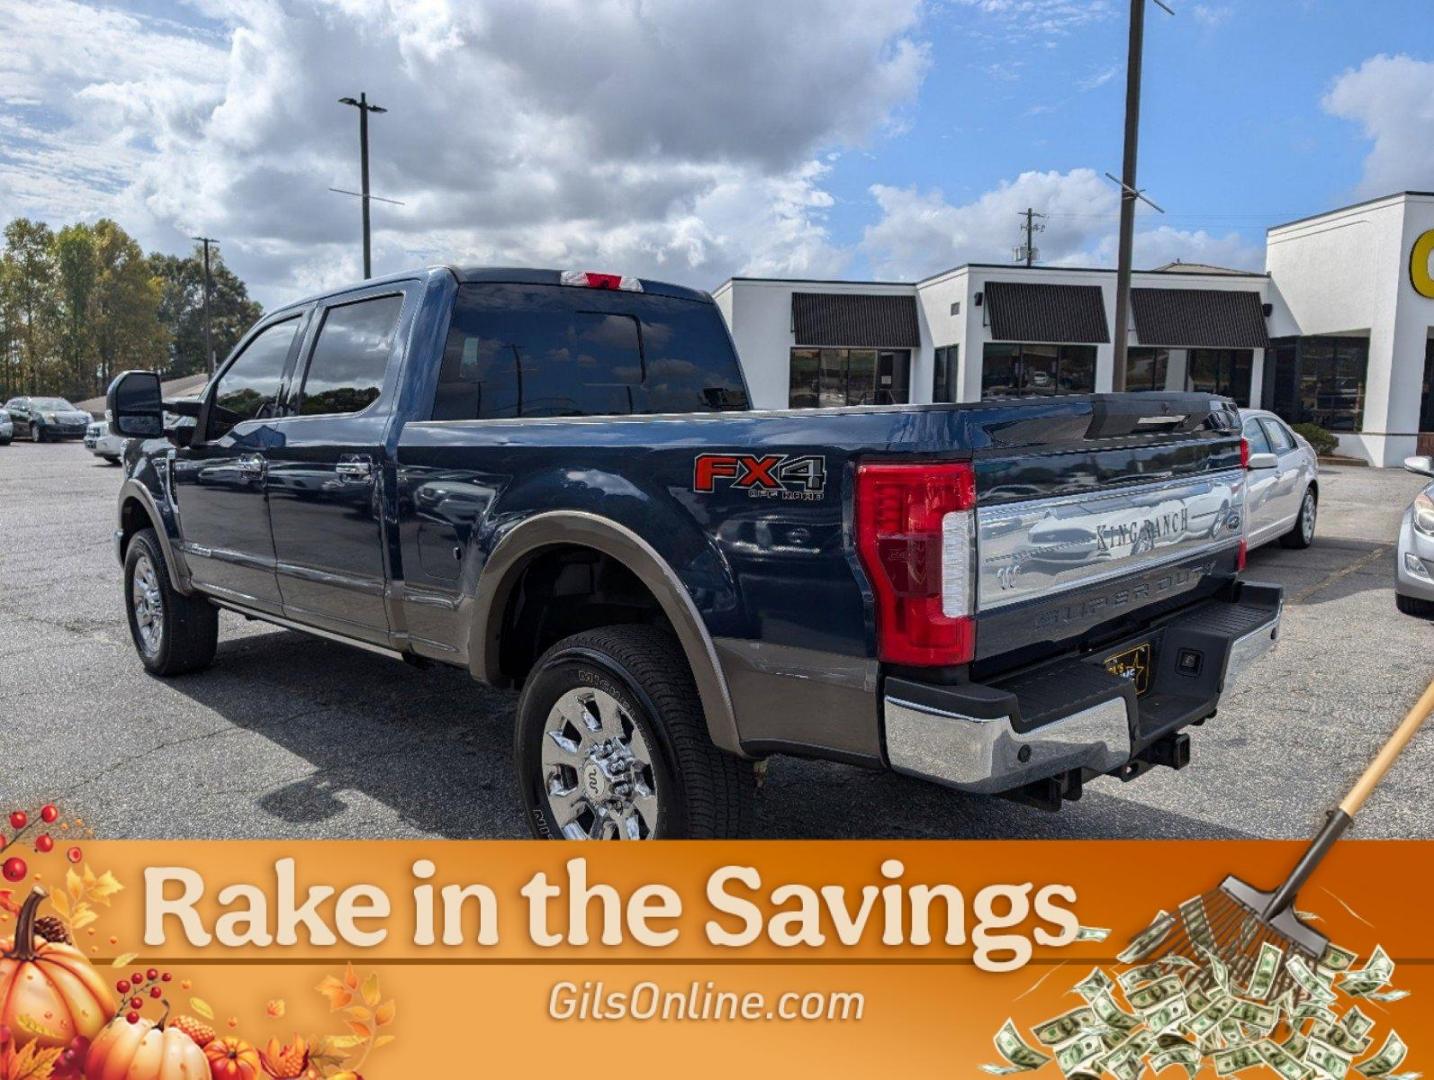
x: 1282, y: 500
x: 1414, y: 565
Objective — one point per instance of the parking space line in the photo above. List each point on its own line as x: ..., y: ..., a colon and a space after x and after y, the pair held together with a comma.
x: 1377, y: 553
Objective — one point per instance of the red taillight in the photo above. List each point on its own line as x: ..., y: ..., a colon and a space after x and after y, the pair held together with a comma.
x: 591, y: 279
x: 915, y: 532
x: 1240, y: 557
x: 1244, y: 453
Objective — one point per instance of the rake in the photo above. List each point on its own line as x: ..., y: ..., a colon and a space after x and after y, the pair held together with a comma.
x: 1234, y: 921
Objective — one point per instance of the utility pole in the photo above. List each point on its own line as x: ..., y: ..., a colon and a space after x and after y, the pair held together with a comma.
x: 1128, y: 191
x: 364, y: 108
x: 1028, y: 252
x: 208, y: 341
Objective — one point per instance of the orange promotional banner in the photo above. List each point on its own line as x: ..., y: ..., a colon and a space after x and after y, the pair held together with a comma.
x: 401, y: 959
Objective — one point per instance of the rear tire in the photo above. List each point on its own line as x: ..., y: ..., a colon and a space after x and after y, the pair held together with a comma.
x: 110, y: 459
x: 1413, y: 605
x: 612, y: 743
x: 36, y: 435
x: 174, y: 634
x: 1302, y: 533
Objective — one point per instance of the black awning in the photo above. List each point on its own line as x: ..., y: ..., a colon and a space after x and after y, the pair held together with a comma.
x: 1200, y: 318
x: 1056, y: 314
x: 855, y: 319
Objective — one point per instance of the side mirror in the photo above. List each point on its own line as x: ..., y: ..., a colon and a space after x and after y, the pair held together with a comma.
x: 1423, y: 465
x: 136, y: 405
x: 1264, y: 461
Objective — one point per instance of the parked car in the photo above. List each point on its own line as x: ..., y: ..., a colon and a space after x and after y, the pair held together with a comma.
x: 7, y: 428
x: 554, y: 482
x: 1414, y: 564
x: 102, y: 442
x: 1282, y: 502
x: 42, y: 418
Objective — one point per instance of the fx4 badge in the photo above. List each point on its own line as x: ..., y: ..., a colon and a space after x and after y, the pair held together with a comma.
x: 767, y: 476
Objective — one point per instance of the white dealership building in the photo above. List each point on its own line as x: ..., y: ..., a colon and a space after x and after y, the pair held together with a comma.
x: 1338, y: 331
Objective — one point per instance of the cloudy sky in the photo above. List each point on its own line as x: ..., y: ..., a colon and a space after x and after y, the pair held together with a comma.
x: 696, y: 139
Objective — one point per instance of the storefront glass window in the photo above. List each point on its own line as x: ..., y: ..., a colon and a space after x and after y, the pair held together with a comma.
x: 944, y: 380
x: 1220, y: 371
x: 1037, y: 370
x: 833, y: 377
x: 1145, y: 369
x: 1321, y: 380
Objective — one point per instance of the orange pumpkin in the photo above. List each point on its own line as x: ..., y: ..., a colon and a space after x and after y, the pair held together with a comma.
x: 144, y: 1051
x: 49, y: 994
x: 232, y: 1059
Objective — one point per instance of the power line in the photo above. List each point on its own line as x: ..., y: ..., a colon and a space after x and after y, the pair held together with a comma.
x: 364, y: 108
x: 208, y: 341
x: 1028, y: 252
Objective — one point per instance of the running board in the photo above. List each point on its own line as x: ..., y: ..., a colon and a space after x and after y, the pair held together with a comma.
x: 290, y: 624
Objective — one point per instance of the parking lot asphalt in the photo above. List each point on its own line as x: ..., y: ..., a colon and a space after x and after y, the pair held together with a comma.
x: 291, y: 736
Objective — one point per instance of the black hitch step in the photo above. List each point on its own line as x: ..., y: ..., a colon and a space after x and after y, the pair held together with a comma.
x: 1050, y: 793
x: 1172, y: 751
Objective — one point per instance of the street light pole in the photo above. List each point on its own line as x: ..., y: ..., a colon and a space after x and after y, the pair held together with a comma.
x: 208, y: 341
x: 364, y: 108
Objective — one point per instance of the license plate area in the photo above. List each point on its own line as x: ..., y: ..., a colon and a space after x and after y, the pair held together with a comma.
x: 1133, y: 664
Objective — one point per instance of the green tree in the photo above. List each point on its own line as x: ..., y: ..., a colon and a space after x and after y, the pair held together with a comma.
x: 181, y: 308
x: 125, y: 320
x: 77, y: 275
x: 29, y: 302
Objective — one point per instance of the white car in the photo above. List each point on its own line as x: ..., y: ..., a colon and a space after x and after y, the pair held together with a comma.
x: 1414, y: 566
x: 1282, y: 493
x: 103, y: 444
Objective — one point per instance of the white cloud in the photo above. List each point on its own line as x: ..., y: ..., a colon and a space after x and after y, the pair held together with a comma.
x: 681, y: 140
x: 1211, y: 16
x: 1052, y: 17
x: 919, y: 234
x: 1392, y: 99
x: 1100, y: 78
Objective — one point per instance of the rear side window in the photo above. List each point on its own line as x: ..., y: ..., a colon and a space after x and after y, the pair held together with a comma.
x: 249, y: 387
x: 350, y: 357
x: 1255, y: 436
x: 550, y: 350
x: 1282, y: 441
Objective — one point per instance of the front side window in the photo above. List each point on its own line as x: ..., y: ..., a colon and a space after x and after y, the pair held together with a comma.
x: 1281, y: 441
x: 550, y: 350
x: 1255, y: 435
x: 249, y: 387
x: 350, y: 357
x: 1036, y: 370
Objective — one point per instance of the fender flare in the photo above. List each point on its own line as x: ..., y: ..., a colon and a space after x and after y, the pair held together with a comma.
x: 133, y: 490
x: 522, y: 543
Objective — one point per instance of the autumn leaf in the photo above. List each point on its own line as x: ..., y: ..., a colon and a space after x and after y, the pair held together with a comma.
x: 359, y: 1013
x: 7, y: 902
x: 363, y: 1031
x: 84, y: 915
x: 339, y: 1042
x: 202, y: 1007
x: 123, y: 960
x: 383, y: 1040
x: 351, y: 979
x: 74, y: 885
x: 103, y: 888
x: 276, y: 1008
x: 384, y: 1014
x: 33, y: 1063
x: 61, y: 903
x: 338, y: 994
x: 371, y: 993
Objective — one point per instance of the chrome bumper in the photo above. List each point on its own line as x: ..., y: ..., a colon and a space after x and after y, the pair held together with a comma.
x: 988, y: 755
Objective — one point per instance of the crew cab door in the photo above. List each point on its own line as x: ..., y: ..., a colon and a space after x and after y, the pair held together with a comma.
x: 325, y: 476
x: 218, y: 478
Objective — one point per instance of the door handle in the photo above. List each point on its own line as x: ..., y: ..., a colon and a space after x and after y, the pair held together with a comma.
x: 251, y: 465
x: 354, y: 467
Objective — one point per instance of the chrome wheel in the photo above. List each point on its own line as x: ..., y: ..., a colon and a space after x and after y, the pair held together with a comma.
x: 35, y: 433
x: 597, y: 769
x: 1307, y: 518
x: 147, y: 604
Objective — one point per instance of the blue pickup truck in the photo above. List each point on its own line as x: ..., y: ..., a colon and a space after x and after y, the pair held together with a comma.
x: 554, y: 480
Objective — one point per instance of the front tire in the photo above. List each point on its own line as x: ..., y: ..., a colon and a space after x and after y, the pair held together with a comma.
x: 110, y: 459
x: 174, y: 634
x: 1302, y: 533
x: 612, y: 743
x: 1413, y: 605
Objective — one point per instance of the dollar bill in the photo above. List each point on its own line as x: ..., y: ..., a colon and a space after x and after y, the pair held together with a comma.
x: 1217, y: 970
x: 1151, y: 996
x: 1355, y: 1022
x: 1064, y: 1028
x: 1282, y: 1061
x: 1094, y: 984
x: 1327, y: 1059
x: 1313, y: 1010
x: 1388, y: 995
x: 1259, y: 1016
x: 1375, y: 974
x: 1018, y: 1054
x: 1208, y: 1019
x: 1143, y: 973
x: 1236, y: 1059
x: 1092, y: 933
x: 1335, y: 958
x: 1391, y: 1055
x: 1267, y: 966
x: 1112, y: 1015
x: 1340, y: 1037
x: 1073, y: 1056
x: 1296, y: 1044
x: 1197, y: 923
x: 1168, y: 1015
x: 1149, y: 939
x: 1308, y: 981
x: 1184, y: 1055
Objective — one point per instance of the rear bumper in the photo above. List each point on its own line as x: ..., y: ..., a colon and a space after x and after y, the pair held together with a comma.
x: 1072, y: 715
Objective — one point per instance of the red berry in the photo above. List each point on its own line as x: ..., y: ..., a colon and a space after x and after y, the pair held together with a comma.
x: 122, y: 986
x: 166, y: 977
x: 152, y: 974
x: 15, y: 869
x: 48, y: 813
x: 132, y: 1017
x: 136, y: 1003
x: 154, y: 992
x: 74, y: 854
x: 137, y: 978
x: 19, y: 819
x: 44, y: 843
